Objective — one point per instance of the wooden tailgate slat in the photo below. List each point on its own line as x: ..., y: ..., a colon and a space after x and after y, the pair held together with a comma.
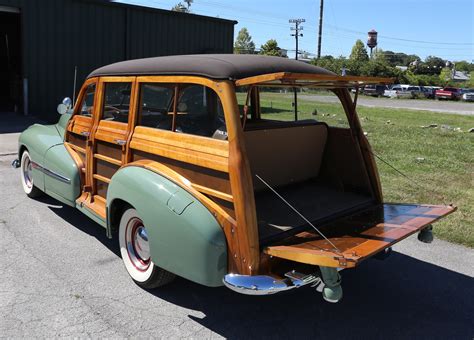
x: 359, y: 236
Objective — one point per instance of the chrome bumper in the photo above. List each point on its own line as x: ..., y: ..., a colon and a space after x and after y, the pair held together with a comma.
x: 265, y: 285
x: 16, y: 163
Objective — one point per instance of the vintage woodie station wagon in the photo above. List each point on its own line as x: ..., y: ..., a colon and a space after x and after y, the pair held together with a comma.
x: 159, y: 152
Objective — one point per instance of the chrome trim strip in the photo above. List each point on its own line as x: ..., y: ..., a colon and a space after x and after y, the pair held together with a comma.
x: 265, y: 285
x: 51, y: 173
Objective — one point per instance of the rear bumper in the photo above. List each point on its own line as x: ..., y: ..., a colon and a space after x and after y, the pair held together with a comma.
x: 266, y: 285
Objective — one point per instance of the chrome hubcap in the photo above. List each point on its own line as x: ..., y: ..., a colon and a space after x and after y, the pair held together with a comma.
x: 138, y: 247
x: 27, y: 172
x: 141, y: 243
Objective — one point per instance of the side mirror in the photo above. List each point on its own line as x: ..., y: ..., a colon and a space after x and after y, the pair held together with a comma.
x: 65, y: 106
x: 68, y: 102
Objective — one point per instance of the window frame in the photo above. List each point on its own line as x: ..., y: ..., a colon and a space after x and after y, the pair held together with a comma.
x: 177, y: 82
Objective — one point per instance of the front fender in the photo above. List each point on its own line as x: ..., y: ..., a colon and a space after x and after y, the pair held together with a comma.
x: 38, y: 139
x: 184, y: 236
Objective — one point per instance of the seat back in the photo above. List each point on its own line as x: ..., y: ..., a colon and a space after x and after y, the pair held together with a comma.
x: 285, y: 155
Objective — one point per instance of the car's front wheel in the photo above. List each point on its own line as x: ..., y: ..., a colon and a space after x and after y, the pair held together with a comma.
x: 135, y: 251
x: 27, y: 183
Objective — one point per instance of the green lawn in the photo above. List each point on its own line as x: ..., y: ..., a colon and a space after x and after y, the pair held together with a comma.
x: 439, y: 159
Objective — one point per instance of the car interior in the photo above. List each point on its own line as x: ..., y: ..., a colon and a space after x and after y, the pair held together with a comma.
x: 306, y: 162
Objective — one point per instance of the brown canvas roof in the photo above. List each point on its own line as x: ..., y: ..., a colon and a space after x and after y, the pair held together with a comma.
x: 215, y: 66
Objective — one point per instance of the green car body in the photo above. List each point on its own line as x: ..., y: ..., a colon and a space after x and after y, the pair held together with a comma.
x: 185, y: 238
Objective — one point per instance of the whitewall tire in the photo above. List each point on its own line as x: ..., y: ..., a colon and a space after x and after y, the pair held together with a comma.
x: 26, y: 169
x: 135, y: 252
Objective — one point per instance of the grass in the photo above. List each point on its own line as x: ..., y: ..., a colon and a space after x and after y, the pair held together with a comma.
x: 439, y: 159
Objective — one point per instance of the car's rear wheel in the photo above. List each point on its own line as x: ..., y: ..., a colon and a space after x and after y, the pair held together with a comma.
x: 27, y: 183
x: 135, y: 251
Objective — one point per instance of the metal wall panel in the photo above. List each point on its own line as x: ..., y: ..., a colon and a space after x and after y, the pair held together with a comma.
x: 61, y: 34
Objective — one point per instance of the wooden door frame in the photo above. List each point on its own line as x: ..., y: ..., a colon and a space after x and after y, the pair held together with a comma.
x: 98, y: 113
x: 241, y: 233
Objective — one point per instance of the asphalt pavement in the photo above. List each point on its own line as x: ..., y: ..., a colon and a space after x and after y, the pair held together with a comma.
x: 60, y: 276
x: 445, y: 106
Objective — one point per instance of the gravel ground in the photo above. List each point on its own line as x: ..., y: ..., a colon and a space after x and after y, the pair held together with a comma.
x: 60, y: 276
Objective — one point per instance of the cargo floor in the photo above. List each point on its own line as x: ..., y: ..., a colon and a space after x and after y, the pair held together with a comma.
x: 314, y: 200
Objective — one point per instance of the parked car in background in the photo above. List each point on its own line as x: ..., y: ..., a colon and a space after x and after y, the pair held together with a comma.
x: 448, y: 93
x: 375, y: 90
x: 468, y: 95
x: 416, y: 91
x: 429, y: 91
x: 398, y: 91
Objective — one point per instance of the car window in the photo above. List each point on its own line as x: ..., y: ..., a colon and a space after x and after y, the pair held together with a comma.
x: 117, y: 102
x: 87, y: 106
x: 199, y: 112
x: 155, y: 108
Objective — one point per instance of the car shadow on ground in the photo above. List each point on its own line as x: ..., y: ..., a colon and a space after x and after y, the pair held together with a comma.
x: 401, y: 297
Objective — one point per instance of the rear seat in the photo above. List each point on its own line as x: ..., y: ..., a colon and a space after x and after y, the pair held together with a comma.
x: 285, y: 153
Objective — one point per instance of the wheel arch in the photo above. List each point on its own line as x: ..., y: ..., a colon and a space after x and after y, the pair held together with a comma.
x: 114, y: 213
x: 185, y: 237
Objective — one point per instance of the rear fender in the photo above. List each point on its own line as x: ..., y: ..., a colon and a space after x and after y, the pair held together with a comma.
x: 185, y: 238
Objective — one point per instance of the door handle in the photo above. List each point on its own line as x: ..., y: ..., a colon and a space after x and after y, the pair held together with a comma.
x: 85, y: 133
x: 120, y: 141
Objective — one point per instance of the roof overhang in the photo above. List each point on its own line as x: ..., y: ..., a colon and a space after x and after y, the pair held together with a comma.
x: 311, y: 80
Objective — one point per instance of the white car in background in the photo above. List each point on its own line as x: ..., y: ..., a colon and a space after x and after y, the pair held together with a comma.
x: 398, y: 91
x: 468, y: 95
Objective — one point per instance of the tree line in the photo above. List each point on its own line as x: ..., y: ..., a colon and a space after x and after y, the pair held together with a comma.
x: 406, y: 68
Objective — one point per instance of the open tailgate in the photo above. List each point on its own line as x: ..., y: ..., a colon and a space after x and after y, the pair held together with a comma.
x: 358, y: 236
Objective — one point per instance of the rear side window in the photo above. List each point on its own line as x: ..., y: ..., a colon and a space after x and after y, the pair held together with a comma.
x: 156, y: 106
x: 199, y: 112
x: 117, y: 102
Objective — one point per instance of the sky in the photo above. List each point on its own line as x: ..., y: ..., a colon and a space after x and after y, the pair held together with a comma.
x: 444, y: 28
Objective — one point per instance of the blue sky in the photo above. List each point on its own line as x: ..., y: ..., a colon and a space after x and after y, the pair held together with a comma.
x: 444, y: 28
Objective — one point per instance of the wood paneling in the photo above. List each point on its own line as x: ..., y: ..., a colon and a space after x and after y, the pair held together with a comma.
x: 110, y: 131
x: 80, y: 125
x: 201, y: 176
x: 105, y: 169
x: 359, y: 236
x: 109, y: 150
x: 78, y: 140
x: 102, y: 186
x: 201, y: 151
x: 307, y: 79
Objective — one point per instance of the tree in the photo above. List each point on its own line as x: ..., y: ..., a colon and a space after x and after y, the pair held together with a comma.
x: 380, y: 56
x: 243, y: 43
x: 189, y: 2
x: 359, y: 52
x: 464, y: 66
x: 330, y: 63
x: 445, y: 75
x: 179, y: 7
x: 270, y: 48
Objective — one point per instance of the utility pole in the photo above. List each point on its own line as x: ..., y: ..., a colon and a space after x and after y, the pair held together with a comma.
x: 297, y: 34
x: 320, y: 35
